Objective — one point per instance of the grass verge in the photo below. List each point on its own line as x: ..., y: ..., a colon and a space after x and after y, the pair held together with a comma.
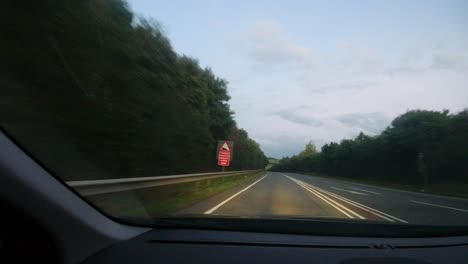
x: 164, y: 200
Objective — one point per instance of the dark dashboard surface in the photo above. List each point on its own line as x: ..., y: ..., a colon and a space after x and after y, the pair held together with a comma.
x: 209, y: 246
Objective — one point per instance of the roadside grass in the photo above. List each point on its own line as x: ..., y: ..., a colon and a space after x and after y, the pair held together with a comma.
x: 165, y: 200
x: 446, y: 189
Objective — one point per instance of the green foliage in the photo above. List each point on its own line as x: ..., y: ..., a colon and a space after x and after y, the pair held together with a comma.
x: 95, y: 93
x: 172, y: 198
x: 247, y: 153
x: 392, y: 156
x: 309, y: 151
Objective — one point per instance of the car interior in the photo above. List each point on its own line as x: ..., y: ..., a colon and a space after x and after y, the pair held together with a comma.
x: 141, y: 131
x: 44, y: 220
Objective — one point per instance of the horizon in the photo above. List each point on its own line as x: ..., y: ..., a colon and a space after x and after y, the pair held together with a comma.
x: 322, y: 72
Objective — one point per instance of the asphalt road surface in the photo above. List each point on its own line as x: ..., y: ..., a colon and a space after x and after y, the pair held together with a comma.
x: 296, y: 195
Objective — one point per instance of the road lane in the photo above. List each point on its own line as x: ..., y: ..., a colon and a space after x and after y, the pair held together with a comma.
x: 360, y: 193
x: 329, y: 200
x: 367, y: 191
x: 211, y: 210
x: 280, y: 195
x: 274, y: 195
x: 399, y: 203
x: 345, y: 203
x: 441, y: 206
x: 292, y: 194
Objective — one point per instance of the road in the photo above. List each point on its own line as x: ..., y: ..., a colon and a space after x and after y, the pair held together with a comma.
x: 296, y: 195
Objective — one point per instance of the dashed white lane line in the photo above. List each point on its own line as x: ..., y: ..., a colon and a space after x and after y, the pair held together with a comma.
x: 339, y: 189
x: 230, y: 198
x: 365, y: 190
x: 442, y: 206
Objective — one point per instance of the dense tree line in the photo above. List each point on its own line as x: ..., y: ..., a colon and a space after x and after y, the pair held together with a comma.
x: 416, y: 144
x: 95, y: 92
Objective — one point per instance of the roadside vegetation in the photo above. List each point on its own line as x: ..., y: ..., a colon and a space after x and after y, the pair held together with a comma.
x: 420, y: 149
x: 271, y: 162
x: 166, y: 200
x: 95, y: 92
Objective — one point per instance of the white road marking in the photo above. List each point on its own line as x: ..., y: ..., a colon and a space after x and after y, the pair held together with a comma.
x: 230, y: 198
x: 343, y: 209
x: 364, y: 207
x: 348, y: 191
x: 331, y: 200
x: 365, y: 190
x: 442, y: 206
x: 331, y: 204
x: 356, y: 204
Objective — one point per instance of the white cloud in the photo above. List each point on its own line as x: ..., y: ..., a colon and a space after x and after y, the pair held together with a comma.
x: 267, y: 43
x: 348, y: 90
x: 370, y: 123
x: 449, y: 61
x: 298, y: 116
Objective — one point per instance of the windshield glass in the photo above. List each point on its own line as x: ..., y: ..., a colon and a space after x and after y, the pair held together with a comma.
x: 328, y: 110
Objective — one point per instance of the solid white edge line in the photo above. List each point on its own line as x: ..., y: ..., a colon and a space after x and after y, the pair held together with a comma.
x: 365, y: 190
x: 364, y: 207
x: 442, y: 206
x: 369, y: 210
x: 329, y: 203
x: 228, y: 199
x: 331, y: 200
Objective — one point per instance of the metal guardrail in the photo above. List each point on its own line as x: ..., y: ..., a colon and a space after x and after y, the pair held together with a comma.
x: 94, y: 187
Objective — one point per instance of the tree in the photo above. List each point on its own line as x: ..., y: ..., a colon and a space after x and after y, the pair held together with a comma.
x: 309, y: 150
x: 393, y: 155
x: 95, y: 92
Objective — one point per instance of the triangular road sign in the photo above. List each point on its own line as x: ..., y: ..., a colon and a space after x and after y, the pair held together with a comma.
x: 225, y: 146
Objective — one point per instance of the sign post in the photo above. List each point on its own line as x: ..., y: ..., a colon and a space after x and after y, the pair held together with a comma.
x: 225, y: 153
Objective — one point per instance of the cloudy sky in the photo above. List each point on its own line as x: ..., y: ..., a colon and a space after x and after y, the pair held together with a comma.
x: 302, y: 71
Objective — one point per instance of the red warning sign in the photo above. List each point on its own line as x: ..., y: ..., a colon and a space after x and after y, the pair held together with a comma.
x: 224, y: 155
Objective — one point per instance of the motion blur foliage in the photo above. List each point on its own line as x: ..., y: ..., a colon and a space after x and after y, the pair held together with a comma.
x: 393, y: 156
x: 247, y: 152
x: 108, y: 95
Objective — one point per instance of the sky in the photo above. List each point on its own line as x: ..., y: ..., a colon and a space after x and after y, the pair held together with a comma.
x: 323, y: 71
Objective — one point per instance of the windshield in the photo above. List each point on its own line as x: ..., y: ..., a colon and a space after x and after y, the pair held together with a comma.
x: 306, y: 110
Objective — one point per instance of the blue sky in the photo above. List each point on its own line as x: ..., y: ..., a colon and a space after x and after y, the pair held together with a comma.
x: 322, y: 71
